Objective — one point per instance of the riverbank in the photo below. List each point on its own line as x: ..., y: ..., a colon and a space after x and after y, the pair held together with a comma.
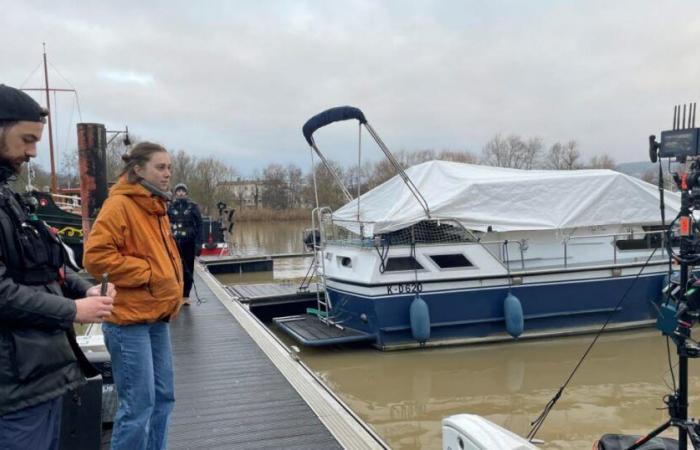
x: 268, y: 214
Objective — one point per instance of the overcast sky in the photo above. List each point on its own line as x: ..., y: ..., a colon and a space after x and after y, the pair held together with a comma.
x: 238, y: 79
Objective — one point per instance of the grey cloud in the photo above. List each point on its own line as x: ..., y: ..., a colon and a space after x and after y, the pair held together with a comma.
x: 240, y: 78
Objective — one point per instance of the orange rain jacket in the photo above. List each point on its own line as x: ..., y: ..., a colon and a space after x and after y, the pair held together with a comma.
x: 131, y: 242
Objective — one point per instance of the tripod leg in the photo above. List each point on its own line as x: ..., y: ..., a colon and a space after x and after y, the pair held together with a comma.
x: 650, y: 436
x: 692, y: 430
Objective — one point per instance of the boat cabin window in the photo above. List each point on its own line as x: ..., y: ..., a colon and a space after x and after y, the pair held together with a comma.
x: 345, y: 261
x: 451, y: 261
x: 645, y: 242
x: 399, y: 263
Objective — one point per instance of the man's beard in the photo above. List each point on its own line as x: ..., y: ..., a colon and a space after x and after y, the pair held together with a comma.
x: 14, y: 165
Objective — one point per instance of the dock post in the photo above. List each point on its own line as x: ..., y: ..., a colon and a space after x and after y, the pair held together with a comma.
x: 92, y: 162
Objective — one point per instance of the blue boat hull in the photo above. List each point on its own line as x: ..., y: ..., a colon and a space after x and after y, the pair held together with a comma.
x: 478, y: 313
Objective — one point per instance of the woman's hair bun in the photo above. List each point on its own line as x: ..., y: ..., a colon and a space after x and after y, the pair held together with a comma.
x: 126, y: 157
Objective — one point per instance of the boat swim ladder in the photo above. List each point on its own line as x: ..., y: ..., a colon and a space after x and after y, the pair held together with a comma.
x: 323, y: 302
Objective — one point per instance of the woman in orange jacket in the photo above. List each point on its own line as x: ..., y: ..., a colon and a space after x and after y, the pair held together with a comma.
x: 132, y: 243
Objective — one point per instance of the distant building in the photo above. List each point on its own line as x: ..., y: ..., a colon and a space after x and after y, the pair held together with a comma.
x: 246, y: 193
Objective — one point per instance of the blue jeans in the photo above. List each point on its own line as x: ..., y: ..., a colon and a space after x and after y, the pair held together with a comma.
x: 36, y: 427
x: 143, y: 375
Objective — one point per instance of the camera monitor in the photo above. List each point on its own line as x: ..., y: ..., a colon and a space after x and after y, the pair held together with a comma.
x: 679, y: 143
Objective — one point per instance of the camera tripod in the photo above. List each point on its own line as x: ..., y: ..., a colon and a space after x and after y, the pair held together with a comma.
x: 677, y: 402
x: 677, y: 318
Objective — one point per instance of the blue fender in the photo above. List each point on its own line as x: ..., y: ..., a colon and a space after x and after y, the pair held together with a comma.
x: 513, y: 312
x: 420, y: 320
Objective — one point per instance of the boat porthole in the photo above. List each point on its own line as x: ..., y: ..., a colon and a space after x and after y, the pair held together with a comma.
x: 460, y: 442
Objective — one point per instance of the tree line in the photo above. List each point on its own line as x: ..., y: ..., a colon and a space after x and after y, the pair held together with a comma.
x: 284, y: 187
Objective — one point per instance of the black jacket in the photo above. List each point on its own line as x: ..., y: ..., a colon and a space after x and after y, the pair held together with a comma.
x: 39, y: 357
x: 186, y: 221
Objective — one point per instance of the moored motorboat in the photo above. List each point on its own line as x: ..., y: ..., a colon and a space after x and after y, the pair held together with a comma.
x: 447, y: 253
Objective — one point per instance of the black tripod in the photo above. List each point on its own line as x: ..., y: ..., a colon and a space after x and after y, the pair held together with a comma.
x: 676, y: 322
x: 677, y: 403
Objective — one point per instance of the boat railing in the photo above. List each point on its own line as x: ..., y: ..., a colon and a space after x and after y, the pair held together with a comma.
x: 501, y: 249
x: 361, y: 233
x: 70, y: 203
x: 511, y: 253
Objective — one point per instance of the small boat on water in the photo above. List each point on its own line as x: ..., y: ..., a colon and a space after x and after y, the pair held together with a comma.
x: 448, y: 253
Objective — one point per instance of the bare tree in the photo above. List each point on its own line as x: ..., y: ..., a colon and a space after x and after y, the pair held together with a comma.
x: 183, y: 166
x: 512, y: 151
x: 563, y: 156
x: 457, y: 156
x: 329, y: 194
x: 206, y: 187
x: 32, y: 176
x: 295, y: 183
x: 602, y: 162
x: 275, y: 194
x: 68, y: 173
x: 113, y: 157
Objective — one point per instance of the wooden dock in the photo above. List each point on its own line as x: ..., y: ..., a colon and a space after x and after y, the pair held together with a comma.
x: 238, y: 387
x: 246, y: 264
x: 269, y: 300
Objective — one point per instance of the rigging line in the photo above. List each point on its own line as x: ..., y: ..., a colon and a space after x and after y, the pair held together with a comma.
x: 70, y: 122
x: 55, y: 118
x: 75, y: 91
x: 61, y: 75
x: 537, y: 423
x: 30, y: 75
x: 77, y: 102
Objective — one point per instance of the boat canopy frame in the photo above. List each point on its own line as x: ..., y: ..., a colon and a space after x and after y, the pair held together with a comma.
x: 342, y: 113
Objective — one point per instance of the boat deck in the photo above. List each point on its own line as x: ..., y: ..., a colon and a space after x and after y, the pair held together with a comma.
x: 310, y: 330
x: 234, y: 391
x: 261, y: 293
x: 269, y: 300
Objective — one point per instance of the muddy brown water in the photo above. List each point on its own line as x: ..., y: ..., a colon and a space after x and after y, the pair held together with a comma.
x: 405, y: 394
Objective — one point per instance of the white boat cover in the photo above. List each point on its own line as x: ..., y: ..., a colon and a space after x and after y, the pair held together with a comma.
x: 508, y: 199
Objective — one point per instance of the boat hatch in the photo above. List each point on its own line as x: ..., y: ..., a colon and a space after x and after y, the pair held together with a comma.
x: 310, y: 330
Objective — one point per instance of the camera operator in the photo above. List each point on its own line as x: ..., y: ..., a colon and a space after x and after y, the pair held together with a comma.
x: 39, y: 357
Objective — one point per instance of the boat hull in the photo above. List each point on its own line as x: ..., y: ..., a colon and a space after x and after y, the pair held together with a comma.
x: 462, y: 312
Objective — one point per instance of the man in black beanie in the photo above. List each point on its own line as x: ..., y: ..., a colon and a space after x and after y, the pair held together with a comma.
x: 186, y: 221
x: 39, y: 357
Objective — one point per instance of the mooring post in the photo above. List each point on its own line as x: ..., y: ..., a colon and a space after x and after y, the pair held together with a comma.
x: 92, y: 161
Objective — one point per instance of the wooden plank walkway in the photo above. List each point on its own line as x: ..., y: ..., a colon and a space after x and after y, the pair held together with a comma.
x: 228, y: 393
x: 271, y: 292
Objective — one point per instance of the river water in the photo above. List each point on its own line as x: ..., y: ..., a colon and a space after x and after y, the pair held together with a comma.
x: 404, y: 395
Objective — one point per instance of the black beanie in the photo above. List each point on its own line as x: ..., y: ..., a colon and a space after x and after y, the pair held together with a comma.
x: 17, y: 106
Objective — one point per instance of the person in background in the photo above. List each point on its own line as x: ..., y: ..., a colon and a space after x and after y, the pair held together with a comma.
x: 186, y: 222
x: 131, y: 240
x: 39, y: 357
